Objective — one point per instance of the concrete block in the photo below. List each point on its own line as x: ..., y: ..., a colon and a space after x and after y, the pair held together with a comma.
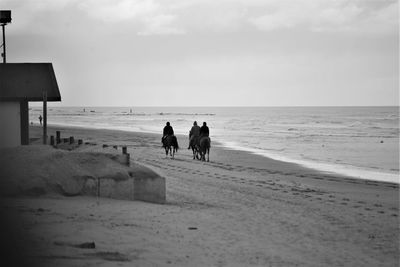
x: 116, y: 189
x: 148, y: 186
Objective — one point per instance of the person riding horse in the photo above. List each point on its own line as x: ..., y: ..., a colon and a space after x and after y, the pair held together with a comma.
x: 204, y: 142
x: 168, y: 130
x: 194, y: 135
x: 169, y: 141
x: 204, y: 131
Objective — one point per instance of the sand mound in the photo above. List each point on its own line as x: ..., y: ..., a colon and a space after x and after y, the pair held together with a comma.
x: 38, y: 170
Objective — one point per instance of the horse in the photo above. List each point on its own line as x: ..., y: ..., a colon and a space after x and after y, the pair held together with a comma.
x: 170, y: 143
x: 204, y: 148
x: 194, y: 144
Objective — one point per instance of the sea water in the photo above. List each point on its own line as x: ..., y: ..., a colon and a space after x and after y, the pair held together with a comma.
x: 361, y: 142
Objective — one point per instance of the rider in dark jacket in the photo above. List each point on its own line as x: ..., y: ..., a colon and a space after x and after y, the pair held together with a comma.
x: 168, y: 130
x: 204, y: 131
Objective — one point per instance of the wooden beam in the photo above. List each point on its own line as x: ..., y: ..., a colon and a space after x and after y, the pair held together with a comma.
x: 44, y: 117
x: 24, y: 117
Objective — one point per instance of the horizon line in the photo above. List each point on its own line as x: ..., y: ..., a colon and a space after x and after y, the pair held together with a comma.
x: 211, y: 106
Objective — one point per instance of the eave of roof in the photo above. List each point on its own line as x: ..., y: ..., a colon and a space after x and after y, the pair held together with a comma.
x: 28, y: 81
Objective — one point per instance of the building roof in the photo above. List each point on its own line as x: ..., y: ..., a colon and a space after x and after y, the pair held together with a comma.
x: 28, y: 81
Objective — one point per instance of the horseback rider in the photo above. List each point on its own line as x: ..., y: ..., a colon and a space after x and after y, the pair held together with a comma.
x: 204, y: 142
x: 204, y: 131
x: 168, y: 130
x: 194, y: 134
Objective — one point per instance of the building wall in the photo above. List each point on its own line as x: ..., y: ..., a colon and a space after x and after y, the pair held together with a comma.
x: 10, y: 124
x: 24, y: 112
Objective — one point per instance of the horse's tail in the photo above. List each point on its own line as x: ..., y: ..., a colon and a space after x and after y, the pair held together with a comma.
x: 176, y: 143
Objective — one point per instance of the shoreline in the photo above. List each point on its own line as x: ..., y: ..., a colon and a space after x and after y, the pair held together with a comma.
x: 334, y: 170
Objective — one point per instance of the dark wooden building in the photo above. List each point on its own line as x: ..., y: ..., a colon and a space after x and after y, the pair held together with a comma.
x: 21, y: 83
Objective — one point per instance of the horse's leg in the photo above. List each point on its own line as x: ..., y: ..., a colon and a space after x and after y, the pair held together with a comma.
x: 208, y: 154
x: 169, y: 151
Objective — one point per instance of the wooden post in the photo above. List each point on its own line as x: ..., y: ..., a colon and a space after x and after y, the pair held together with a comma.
x: 52, y: 140
x: 24, y: 111
x: 71, y: 140
x: 44, y: 117
x: 4, y: 43
x: 58, y: 138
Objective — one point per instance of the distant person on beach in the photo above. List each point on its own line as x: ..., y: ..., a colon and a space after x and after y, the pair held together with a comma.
x: 194, y: 134
x: 204, y: 131
x: 168, y: 130
x: 40, y: 119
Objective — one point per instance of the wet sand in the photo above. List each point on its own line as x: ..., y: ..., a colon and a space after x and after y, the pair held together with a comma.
x: 239, y: 209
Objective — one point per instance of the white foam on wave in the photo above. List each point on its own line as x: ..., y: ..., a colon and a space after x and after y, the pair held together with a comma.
x: 351, y: 171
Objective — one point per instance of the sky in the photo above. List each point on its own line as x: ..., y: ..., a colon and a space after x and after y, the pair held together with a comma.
x: 212, y: 52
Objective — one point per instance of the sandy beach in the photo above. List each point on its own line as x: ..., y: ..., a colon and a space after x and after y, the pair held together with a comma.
x: 239, y: 209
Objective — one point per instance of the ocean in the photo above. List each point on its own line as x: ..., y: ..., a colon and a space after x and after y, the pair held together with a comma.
x: 362, y: 142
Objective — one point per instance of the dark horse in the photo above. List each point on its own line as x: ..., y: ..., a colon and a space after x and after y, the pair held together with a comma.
x: 204, y: 148
x: 194, y: 144
x: 170, y: 143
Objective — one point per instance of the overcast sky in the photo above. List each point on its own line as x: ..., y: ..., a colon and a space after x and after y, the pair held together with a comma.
x: 212, y: 52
